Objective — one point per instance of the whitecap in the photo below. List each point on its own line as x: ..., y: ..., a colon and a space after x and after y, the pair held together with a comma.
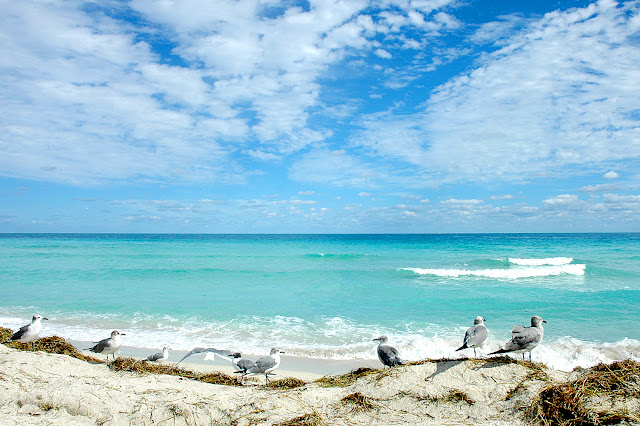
x: 556, y: 261
x: 512, y: 273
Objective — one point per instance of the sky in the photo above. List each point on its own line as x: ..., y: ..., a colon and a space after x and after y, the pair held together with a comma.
x: 351, y: 116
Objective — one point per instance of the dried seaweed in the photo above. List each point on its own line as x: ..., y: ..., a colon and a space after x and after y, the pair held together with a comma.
x: 359, y: 402
x: 567, y: 403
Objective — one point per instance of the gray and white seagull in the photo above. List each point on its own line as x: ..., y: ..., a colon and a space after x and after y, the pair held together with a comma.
x: 160, y: 356
x: 108, y: 346
x: 524, y: 339
x: 241, y: 364
x: 222, y: 353
x: 265, y: 365
x: 475, y: 336
x: 28, y: 333
x: 388, y: 355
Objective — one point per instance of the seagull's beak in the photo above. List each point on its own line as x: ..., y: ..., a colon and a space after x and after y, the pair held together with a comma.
x: 123, y: 334
x: 544, y: 321
x: 45, y: 318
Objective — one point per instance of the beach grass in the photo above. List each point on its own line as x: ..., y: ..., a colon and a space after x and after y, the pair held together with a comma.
x: 345, y: 380
x: 143, y: 367
x: 286, y: 383
x: 584, y: 400
x: 359, y: 402
x: 51, y: 344
x: 312, y: 419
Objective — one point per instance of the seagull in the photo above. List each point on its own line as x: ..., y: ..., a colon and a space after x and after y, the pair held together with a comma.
x: 160, y: 356
x: 109, y: 345
x: 28, y: 333
x: 241, y: 364
x: 388, y: 355
x: 524, y: 339
x: 265, y: 365
x: 475, y: 335
x: 222, y: 353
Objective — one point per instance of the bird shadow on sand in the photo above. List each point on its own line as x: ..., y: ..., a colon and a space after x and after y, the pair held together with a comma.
x: 443, y: 365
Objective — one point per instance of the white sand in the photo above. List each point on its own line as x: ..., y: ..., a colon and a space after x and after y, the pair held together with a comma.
x: 40, y: 388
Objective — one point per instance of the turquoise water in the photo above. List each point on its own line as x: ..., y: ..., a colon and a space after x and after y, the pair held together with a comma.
x: 327, y: 296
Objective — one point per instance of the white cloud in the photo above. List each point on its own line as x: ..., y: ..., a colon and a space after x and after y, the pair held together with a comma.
x: 564, y: 202
x: 600, y: 188
x: 560, y: 96
x: 381, y: 53
x: 502, y: 197
x: 458, y: 202
x: 611, y: 175
x: 89, y: 102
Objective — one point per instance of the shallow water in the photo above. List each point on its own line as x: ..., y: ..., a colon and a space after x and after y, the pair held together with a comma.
x: 327, y: 296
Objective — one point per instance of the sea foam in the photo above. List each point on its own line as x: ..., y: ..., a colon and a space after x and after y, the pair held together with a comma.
x: 539, y: 262
x: 332, y: 338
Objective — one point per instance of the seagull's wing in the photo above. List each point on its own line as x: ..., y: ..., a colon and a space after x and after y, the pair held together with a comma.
x: 527, y: 337
x: 476, y: 336
x: 21, y: 332
x: 517, y: 329
x: 245, y: 364
x: 221, y: 352
x: 262, y: 365
x: 155, y: 357
x: 101, y: 346
x: 389, y: 355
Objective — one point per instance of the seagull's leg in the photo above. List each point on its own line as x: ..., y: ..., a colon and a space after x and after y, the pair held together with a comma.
x: 474, y: 353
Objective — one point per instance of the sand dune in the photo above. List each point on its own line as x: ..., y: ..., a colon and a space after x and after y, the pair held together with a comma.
x: 43, y: 388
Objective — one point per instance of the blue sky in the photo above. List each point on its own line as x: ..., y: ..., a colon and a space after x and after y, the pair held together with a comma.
x: 266, y: 116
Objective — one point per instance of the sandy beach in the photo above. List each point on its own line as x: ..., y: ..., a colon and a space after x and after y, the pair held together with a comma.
x: 44, y: 388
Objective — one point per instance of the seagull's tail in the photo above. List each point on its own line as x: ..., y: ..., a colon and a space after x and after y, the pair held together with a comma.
x: 462, y: 347
x: 499, y: 351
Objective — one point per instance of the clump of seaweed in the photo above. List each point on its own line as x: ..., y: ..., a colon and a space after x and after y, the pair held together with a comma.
x: 312, y: 419
x: 143, y: 367
x: 51, y: 344
x: 456, y: 395
x: 286, y: 383
x: 345, y: 380
x: 567, y: 403
x: 5, y: 334
x: 359, y: 402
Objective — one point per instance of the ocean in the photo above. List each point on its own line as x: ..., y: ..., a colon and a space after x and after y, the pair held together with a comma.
x: 328, y: 296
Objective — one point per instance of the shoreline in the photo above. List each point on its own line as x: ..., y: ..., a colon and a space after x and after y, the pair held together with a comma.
x: 302, y: 368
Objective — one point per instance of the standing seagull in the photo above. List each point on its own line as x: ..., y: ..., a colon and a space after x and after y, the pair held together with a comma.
x: 241, y: 364
x: 524, y: 339
x: 475, y: 336
x: 160, y: 356
x: 265, y: 365
x: 109, y: 345
x: 388, y: 355
x: 28, y: 333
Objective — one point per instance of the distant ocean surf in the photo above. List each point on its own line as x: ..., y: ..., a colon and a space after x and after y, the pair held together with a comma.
x: 327, y: 296
x: 524, y: 268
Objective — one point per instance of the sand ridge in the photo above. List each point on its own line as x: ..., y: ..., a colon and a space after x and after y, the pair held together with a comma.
x: 42, y: 388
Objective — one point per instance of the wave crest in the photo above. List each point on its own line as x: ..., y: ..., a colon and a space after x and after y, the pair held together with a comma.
x: 514, y: 273
x: 555, y: 261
